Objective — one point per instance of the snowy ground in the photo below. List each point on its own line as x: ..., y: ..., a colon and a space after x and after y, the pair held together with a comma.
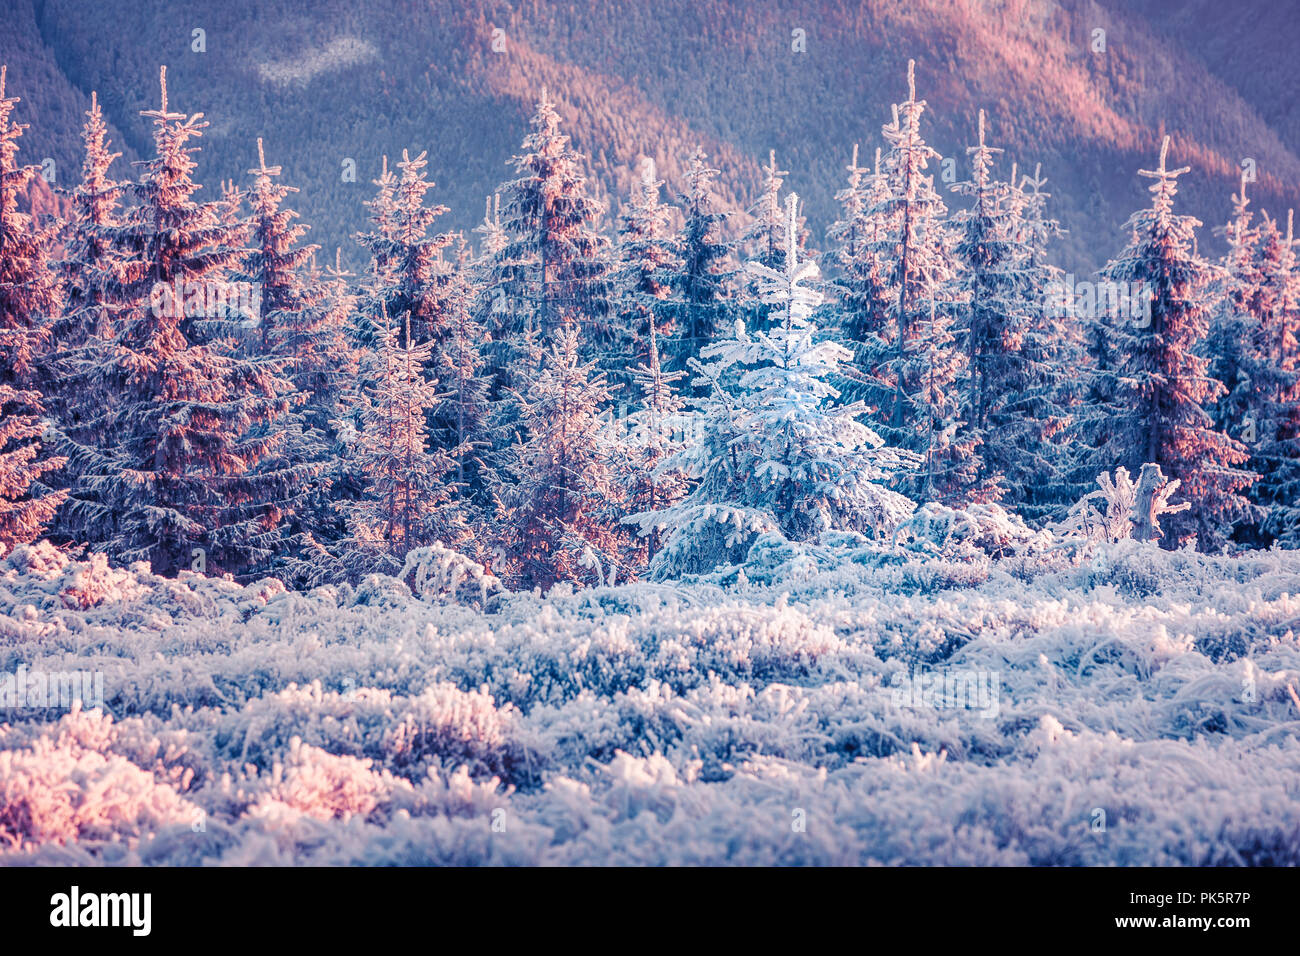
x: 1127, y: 706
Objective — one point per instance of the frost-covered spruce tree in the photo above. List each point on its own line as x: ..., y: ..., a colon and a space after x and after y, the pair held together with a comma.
x: 29, y: 288
x: 167, y: 442
x: 765, y: 240
x: 916, y: 364
x: 493, y: 234
x: 1011, y: 380
x: 1053, y: 349
x: 1162, y: 385
x: 91, y: 264
x: 29, y: 301
x: 643, y: 443
x: 788, y: 458
x: 90, y: 260
x: 407, y: 501
x: 701, y: 285
x: 1235, y: 319
x: 402, y: 249
x: 1273, y: 430
x: 461, y: 421
x: 301, y: 322
x: 325, y: 369
x: 381, y: 276
x: 642, y: 281
x: 861, y: 281
x: 991, y: 314
x: 26, y: 504
x: 555, y: 522
x: 555, y: 263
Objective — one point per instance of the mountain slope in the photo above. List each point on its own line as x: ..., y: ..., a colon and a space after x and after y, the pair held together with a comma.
x: 332, y: 81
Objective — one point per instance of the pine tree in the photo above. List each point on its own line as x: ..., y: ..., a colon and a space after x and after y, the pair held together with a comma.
x: 862, y: 281
x: 916, y: 361
x: 1162, y: 385
x: 1009, y: 402
x: 555, y: 519
x: 701, y: 286
x: 1274, y: 423
x: 646, y: 440
x: 779, y: 454
x: 168, y: 438
x: 407, y: 501
x: 554, y: 265
x: 642, y: 282
x: 29, y: 301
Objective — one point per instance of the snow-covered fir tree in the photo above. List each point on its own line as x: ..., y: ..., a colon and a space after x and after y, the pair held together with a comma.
x: 702, y: 282
x: 915, y: 362
x: 554, y: 265
x: 1162, y: 386
x: 167, y: 435
x: 555, y: 522
x: 861, y: 283
x: 409, y: 485
x: 29, y: 301
x: 642, y: 280
x: 644, y: 442
x: 779, y: 454
x: 1272, y: 430
x: 1011, y: 380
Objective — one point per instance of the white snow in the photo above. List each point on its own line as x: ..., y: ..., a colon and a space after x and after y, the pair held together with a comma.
x: 751, y: 716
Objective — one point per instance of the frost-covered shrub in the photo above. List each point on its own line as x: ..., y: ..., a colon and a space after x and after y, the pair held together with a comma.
x: 439, y: 575
x: 72, y: 786
x: 971, y: 533
x: 448, y: 727
x: 380, y: 590
x: 95, y: 582
x: 671, y: 724
x: 710, y: 536
x: 325, y: 785
x: 1108, y: 514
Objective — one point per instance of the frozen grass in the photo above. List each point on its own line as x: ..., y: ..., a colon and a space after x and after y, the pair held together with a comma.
x: 680, y: 723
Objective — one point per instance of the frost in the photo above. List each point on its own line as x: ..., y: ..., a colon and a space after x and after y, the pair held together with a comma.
x: 671, y: 725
